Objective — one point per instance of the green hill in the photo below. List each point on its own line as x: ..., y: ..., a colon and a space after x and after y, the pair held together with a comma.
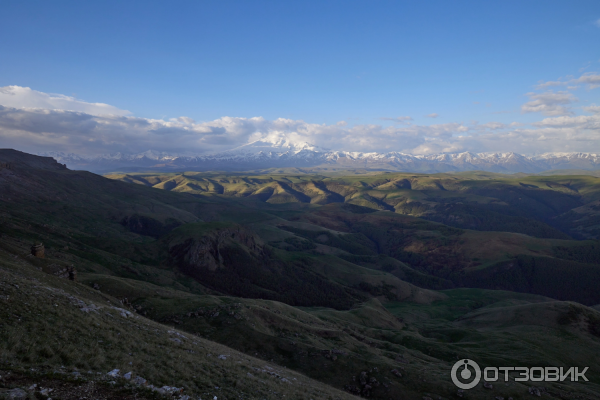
x: 310, y: 298
x: 542, y: 206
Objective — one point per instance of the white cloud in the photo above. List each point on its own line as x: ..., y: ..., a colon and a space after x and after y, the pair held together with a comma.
x: 493, y: 125
x: 39, y: 130
x: 432, y: 115
x: 590, y: 79
x: 184, y: 120
x: 549, y: 103
x: 400, y: 120
x: 68, y: 131
x: 24, y: 97
x: 597, y: 22
x: 592, y: 109
x: 544, y: 85
x: 580, y: 121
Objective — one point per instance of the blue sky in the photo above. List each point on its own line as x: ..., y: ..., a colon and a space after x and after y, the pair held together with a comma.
x: 317, y: 61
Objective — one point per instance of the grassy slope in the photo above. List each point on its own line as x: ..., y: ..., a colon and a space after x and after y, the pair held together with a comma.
x: 490, y: 327
x: 493, y: 260
x: 43, y: 326
x: 368, y: 335
x: 483, y: 201
x: 97, y: 205
x: 497, y: 328
x: 127, y: 264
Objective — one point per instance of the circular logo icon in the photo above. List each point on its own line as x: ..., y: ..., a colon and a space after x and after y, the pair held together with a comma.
x: 462, y: 368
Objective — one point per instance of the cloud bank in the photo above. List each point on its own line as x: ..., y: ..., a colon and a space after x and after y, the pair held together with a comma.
x: 590, y: 79
x: 39, y: 122
x: 549, y: 103
x: 24, y: 97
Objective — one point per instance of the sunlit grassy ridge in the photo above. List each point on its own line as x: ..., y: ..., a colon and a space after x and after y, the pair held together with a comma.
x: 541, y: 206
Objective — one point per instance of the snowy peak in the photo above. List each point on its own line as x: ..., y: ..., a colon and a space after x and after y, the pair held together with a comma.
x: 570, y: 156
x: 282, y: 153
x: 274, y: 146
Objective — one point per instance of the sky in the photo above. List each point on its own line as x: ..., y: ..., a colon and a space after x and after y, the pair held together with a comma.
x: 197, y: 77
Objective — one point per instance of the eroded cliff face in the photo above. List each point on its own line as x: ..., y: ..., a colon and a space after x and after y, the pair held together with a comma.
x: 234, y: 261
x: 208, y: 252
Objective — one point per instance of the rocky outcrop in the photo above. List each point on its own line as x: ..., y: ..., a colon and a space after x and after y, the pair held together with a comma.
x: 206, y: 252
x: 37, y: 250
x: 232, y: 260
x: 62, y: 271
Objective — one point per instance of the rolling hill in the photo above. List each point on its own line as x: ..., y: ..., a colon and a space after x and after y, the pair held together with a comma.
x: 542, y: 206
x: 325, y: 294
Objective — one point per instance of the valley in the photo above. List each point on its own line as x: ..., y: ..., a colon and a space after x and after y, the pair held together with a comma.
x: 320, y: 285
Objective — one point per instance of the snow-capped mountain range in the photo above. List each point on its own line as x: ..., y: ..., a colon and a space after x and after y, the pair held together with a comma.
x: 264, y: 154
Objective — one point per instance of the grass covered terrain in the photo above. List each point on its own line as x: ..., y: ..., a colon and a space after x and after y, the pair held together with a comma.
x: 542, y: 206
x: 52, y: 328
x: 325, y: 295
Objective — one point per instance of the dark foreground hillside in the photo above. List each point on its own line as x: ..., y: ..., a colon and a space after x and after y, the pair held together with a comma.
x: 312, y: 300
x: 66, y: 338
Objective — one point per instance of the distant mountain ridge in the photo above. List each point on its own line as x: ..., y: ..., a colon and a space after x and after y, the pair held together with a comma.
x: 284, y: 153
